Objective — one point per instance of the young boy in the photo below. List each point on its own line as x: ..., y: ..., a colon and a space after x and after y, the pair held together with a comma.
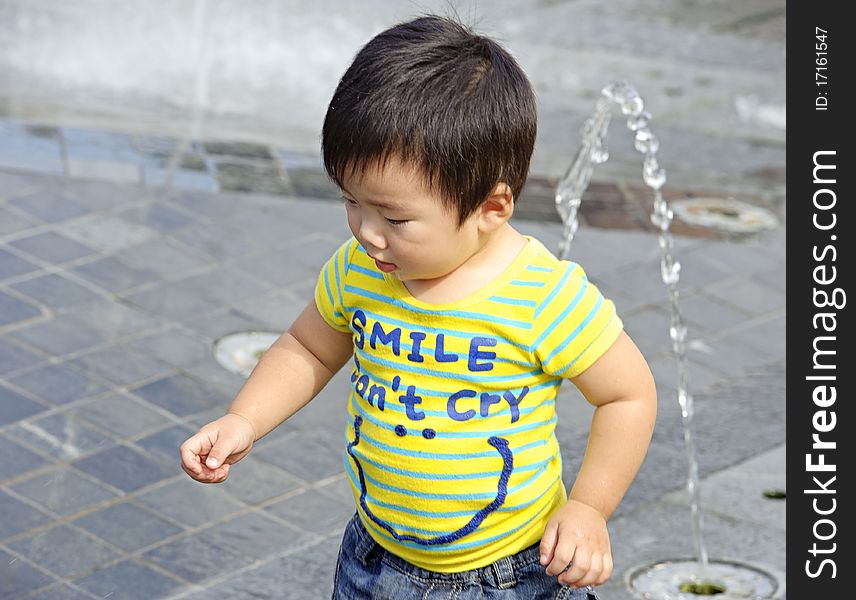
x: 459, y: 331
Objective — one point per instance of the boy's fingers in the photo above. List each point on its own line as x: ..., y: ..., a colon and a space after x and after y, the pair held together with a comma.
x: 562, y: 555
x: 548, y: 542
x: 581, y: 562
x: 191, y: 451
x: 607, y: 569
x: 593, y: 572
x: 218, y: 475
x: 217, y: 456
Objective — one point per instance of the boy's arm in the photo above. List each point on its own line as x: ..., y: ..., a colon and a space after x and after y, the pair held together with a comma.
x: 293, y: 370
x: 620, y: 386
x: 290, y: 374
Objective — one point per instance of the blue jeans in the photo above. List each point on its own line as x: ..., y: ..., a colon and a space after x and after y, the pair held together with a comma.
x: 365, y: 571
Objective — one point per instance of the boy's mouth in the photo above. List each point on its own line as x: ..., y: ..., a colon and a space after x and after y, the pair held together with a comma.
x: 385, y: 266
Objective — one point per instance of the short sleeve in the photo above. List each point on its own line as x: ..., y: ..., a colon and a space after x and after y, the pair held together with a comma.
x: 574, y: 324
x: 330, y: 287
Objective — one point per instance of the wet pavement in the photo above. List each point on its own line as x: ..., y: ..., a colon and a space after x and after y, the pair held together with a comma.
x: 114, y: 288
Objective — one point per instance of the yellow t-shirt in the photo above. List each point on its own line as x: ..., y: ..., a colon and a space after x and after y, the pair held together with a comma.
x: 451, y: 447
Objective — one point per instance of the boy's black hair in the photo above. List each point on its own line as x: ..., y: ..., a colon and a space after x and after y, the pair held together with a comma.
x: 431, y: 92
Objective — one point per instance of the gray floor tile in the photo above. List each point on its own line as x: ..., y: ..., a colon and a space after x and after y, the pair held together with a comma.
x: 17, y: 460
x: 12, y: 265
x: 167, y: 257
x: 297, y: 576
x: 649, y: 330
x: 56, y: 291
x: 277, y: 309
x: 117, y: 171
x: 51, y: 205
x: 120, y: 364
x: 103, y: 195
x: 174, y: 347
x: 14, y: 310
x: 178, y: 299
x: 13, y: 357
x: 665, y: 371
x: 30, y: 160
x: 749, y: 296
x: 64, y: 551
x: 109, y: 233
x: 126, y: 469
x: 113, y: 275
x: 181, y: 395
x: 700, y: 270
x: 60, y: 436
x: 127, y: 526
x: 53, y: 247
x: 113, y: 320
x: 710, y: 315
x: 255, y: 535
x: 222, y: 322
x: 304, y: 456
x: 58, y: 383
x: 181, y: 179
x: 63, y: 491
x: 254, y: 481
x: 59, y: 336
x: 18, y: 577
x: 14, y: 407
x: 639, y: 286
x: 60, y: 591
x: 189, y: 502
x: 206, y: 204
x: 727, y: 356
x: 19, y: 184
x: 314, y: 512
x: 128, y: 579
x: 121, y: 415
x: 195, y: 558
x: 164, y: 444
x: 212, y: 373
x: 227, y: 285
x: 220, y: 241
x: 159, y: 216
x: 766, y: 336
x: 18, y: 516
x: 12, y: 222
x: 742, y: 258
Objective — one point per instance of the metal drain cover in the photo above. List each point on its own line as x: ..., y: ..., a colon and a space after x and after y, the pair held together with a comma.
x: 724, y: 214
x: 240, y: 352
x: 663, y: 580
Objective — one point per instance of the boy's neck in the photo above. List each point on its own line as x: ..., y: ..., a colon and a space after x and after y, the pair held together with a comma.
x: 494, y: 255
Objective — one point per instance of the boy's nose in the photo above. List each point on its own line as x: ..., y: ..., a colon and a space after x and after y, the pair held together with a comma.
x: 371, y: 236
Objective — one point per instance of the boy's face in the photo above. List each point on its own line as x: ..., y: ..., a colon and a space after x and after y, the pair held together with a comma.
x: 404, y: 225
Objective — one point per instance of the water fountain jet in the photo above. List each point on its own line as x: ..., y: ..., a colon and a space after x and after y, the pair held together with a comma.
x: 670, y: 579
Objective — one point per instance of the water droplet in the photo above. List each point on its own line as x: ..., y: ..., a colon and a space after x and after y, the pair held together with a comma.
x: 599, y: 155
x: 678, y: 333
x: 632, y: 105
x: 646, y: 142
x: 670, y: 273
x: 636, y: 123
x: 654, y: 178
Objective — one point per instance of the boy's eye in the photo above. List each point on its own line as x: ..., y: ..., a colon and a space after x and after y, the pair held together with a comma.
x: 397, y: 221
x: 349, y: 201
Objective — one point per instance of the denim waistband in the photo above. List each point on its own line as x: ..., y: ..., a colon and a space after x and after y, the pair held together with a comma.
x: 499, y: 574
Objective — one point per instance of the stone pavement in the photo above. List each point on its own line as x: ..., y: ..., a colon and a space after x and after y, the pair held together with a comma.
x: 112, y: 293
x: 112, y: 290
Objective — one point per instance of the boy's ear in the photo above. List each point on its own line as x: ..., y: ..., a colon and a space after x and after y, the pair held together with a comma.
x: 497, y: 208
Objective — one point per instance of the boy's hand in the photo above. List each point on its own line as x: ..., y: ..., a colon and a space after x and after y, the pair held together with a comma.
x: 208, y: 455
x: 577, y: 533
